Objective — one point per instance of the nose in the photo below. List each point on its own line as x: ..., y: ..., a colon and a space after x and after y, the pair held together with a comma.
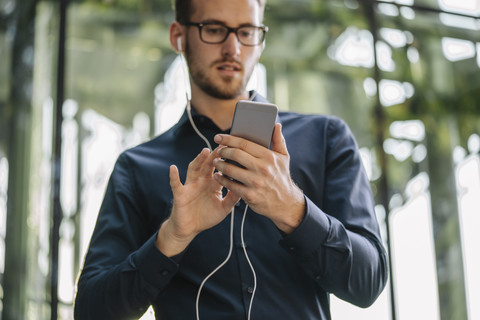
x: 231, y: 46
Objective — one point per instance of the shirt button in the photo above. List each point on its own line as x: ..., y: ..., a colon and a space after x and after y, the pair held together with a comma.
x: 292, y: 248
x: 164, y: 272
x: 250, y: 290
x: 318, y: 278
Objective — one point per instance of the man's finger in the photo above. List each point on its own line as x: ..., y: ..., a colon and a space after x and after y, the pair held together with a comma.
x: 175, y: 182
x: 230, y: 200
x: 245, y: 145
x: 278, y: 141
x: 230, y: 184
x: 207, y: 165
x: 198, y: 162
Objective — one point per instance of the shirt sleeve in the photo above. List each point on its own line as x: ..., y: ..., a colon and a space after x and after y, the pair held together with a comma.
x: 123, y: 270
x: 339, y: 246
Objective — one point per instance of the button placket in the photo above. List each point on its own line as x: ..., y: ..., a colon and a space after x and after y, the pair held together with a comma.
x: 246, y: 275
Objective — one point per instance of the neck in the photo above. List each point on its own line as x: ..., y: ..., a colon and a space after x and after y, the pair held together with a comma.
x: 221, y: 111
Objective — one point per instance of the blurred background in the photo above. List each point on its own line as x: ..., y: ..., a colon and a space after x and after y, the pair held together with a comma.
x: 82, y: 80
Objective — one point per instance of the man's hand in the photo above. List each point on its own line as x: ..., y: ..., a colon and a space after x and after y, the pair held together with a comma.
x: 265, y: 183
x: 197, y: 205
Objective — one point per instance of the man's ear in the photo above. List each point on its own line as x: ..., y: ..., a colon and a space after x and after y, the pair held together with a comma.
x: 176, y: 37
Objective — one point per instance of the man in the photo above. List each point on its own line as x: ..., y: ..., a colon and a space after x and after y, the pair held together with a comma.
x: 310, y: 228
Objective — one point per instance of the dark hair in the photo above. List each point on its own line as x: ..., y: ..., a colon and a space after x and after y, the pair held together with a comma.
x: 183, y: 9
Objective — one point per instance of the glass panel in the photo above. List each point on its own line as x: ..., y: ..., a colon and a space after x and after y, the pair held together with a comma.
x: 6, y: 9
x: 468, y: 181
x: 439, y: 64
x: 26, y: 136
x: 315, y: 65
x: 466, y: 7
x: 116, y: 55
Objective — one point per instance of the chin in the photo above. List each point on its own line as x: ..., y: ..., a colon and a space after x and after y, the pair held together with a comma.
x: 226, y: 95
x: 226, y: 92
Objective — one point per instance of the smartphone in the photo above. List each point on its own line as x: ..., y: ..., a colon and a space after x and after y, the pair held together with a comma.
x: 254, y: 121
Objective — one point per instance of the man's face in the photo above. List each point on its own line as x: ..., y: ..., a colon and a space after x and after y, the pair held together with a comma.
x: 222, y: 70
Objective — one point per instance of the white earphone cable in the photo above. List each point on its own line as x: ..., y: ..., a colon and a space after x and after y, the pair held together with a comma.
x: 189, y: 112
x: 232, y: 222
x: 232, y: 215
x: 249, y: 263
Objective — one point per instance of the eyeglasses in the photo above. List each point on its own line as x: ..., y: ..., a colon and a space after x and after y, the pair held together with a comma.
x: 215, y: 33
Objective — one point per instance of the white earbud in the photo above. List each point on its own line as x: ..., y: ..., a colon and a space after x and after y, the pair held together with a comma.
x: 179, y: 44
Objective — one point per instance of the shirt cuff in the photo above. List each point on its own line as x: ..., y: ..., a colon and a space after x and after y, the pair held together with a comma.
x: 156, y: 268
x: 310, y: 234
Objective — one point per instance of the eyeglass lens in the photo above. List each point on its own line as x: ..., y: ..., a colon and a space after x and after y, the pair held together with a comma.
x: 217, y: 33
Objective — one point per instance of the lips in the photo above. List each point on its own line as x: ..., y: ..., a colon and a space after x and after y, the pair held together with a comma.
x: 229, y: 67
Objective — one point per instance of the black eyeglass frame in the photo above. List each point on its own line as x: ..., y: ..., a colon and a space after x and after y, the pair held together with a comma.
x: 200, y: 25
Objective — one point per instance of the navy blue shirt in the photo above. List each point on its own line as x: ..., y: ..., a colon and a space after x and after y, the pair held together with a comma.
x: 336, y: 249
